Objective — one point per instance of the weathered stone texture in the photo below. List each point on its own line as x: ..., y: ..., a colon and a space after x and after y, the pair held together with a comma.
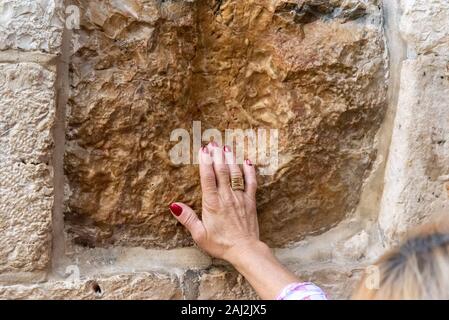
x: 338, y: 282
x: 130, y: 81
x: 138, y: 286
x: 424, y: 25
x: 217, y: 283
x: 31, y: 25
x: 314, y: 71
x: 222, y: 284
x: 26, y: 189
x: 419, y: 156
x: 417, y: 176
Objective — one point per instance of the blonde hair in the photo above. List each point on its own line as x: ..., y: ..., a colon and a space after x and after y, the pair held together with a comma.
x: 418, y: 269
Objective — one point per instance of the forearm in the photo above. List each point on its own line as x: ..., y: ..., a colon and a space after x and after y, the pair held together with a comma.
x: 257, y: 263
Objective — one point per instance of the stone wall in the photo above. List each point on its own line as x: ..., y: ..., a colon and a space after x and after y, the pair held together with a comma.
x: 358, y: 90
x: 416, y: 180
x: 142, y: 70
x: 30, y: 39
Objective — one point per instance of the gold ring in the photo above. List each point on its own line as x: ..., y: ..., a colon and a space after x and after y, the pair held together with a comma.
x: 237, y: 183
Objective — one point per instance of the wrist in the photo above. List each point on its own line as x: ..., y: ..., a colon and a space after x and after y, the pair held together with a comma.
x: 241, y: 254
x: 256, y: 262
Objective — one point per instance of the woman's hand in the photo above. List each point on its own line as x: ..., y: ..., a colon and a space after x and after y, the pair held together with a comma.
x: 229, y: 219
x: 229, y: 229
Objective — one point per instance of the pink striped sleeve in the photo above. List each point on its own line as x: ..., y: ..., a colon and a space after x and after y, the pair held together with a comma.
x: 302, y: 291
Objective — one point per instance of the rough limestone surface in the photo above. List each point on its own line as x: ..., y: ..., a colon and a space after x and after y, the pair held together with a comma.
x: 314, y: 70
x: 424, y: 26
x: 26, y: 186
x: 31, y: 25
x: 417, y: 176
x: 338, y: 282
x: 222, y: 284
x: 146, y: 286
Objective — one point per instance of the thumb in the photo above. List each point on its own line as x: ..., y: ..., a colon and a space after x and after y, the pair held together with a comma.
x: 188, y: 218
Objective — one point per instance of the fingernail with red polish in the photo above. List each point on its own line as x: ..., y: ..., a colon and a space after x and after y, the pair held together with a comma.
x: 226, y: 149
x: 175, y: 209
x: 248, y: 162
